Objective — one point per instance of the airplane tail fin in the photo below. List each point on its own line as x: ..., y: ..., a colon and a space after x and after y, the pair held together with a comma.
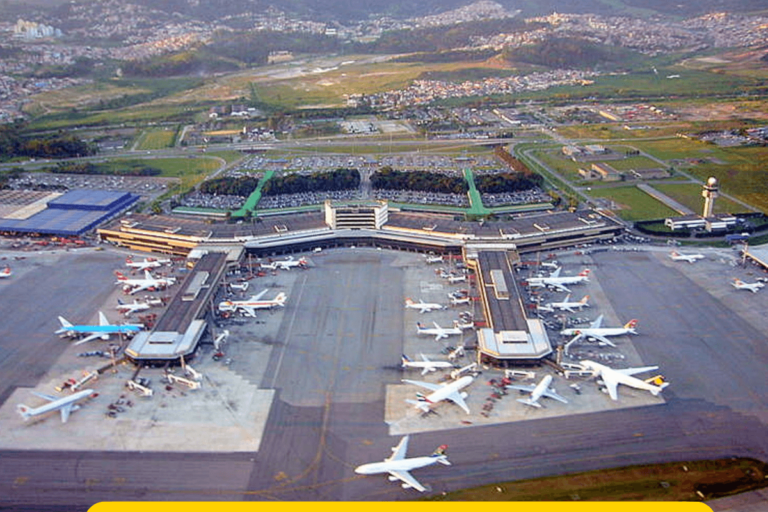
x: 24, y: 411
x: 64, y: 324
x: 584, y: 300
x: 408, y: 301
x: 439, y: 453
x: 528, y: 401
x: 281, y: 298
x: 404, y: 359
x: 120, y: 276
x: 584, y: 273
x: 631, y: 324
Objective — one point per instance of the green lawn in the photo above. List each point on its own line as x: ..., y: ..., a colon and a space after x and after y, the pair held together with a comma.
x: 632, y: 204
x: 689, y: 194
x: 157, y: 139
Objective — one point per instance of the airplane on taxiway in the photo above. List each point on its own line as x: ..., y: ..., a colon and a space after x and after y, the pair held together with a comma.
x: 137, y: 285
x: 6, y: 272
x: 425, y: 364
x: 399, y: 467
x: 555, y: 281
x: 92, y: 332
x: 541, y: 389
x: 597, y: 332
x: 65, y: 405
x: 437, y: 331
x: 741, y: 285
x: 613, y: 377
x: 423, y: 307
x: 690, y: 258
x: 451, y: 391
x: 249, y: 306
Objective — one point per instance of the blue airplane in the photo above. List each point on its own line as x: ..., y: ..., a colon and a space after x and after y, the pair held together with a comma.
x: 92, y: 332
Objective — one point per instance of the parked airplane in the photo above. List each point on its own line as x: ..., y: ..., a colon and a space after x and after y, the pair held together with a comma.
x: 690, y: 258
x: 460, y: 278
x: 286, y: 264
x: 457, y: 301
x: 399, y: 467
x: 539, y: 390
x: 6, y: 272
x: 65, y: 405
x: 569, y: 306
x: 423, y: 307
x: 599, y: 333
x: 434, y: 259
x: 249, y: 306
x: 741, y: 285
x: 425, y: 364
x: 101, y: 331
x: 555, y: 281
x: 613, y: 377
x: 451, y: 391
x: 137, y: 285
x: 129, y: 309
x: 146, y: 264
x: 437, y: 331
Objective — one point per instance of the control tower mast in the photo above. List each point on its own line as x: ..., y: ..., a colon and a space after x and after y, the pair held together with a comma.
x: 709, y: 194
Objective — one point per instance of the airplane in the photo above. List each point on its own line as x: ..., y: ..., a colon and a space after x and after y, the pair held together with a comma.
x: 426, y: 365
x: 102, y: 331
x: 129, y: 309
x: 461, y: 278
x: 440, y: 392
x: 690, y: 258
x: 741, y: 285
x: 434, y: 259
x: 599, y: 333
x: 555, y: 281
x: 457, y: 301
x: 539, y: 390
x: 137, y: 285
x: 613, y: 377
x: 399, y: 467
x: 146, y: 264
x: 249, y: 306
x: 423, y: 306
x: 65, y: 405
x: 242, y: 287
x: 439, y: 332
x: 285, y: 264
x: 567, y: 306
x: 6, y: 272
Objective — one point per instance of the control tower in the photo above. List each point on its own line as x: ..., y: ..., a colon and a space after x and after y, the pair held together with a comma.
x: 709, y: 194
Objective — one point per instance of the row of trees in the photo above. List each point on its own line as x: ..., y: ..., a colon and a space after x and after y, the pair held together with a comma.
x: 13, y: 143
x: 242, y: 186
x: 421, y: 181
x: 89, y: 168
x: 507, y: 182
x: 295, y: 183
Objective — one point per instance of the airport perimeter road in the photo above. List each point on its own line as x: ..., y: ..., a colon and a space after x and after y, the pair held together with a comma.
x: 340, y: 334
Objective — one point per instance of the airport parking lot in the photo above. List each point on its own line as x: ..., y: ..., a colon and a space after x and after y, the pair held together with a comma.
x: 315, y: 389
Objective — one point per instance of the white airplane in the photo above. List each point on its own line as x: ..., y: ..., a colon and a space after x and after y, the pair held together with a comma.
x: 137, y: 285
x: 741, y: 285
x: 539, y: 390
x: 101, y: 331
x: 249, y: 306
x: 451, y: 391
x: 65, y: 405
x: 437, y: 331
x: 690, y: 258
x: 146, y: 264
x: 461, y: 278
x: 613, y: 377
x: 241, y: 287
x: 286, y: 264
x: 423, y: 307
x: 425, y: 364
x: 6, y: 272
x: 129, y: 309
x: 568, y: 306
x: 457, y: 301
x: 599, y: 333
x: 434, y: 259
x: 399, y: 467
x: 555, y: 281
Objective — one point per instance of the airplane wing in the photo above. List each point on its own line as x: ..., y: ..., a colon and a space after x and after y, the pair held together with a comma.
x: 574, y: 340
x: 45, y: 396
x: 611, y: 384
x: 526, y: 388
x: 428, y: 385
x: 632, y: 371
x: 399, y: 451
x: 90, y: 337
x: 560, y: 287
x: 597, y: 323
x: 259, y: 295
x: 568, y: 308
x: 554, y: 396
x: 456, y: 398
x: 408, y: 479
x: 65, y: 410
x: 141, y: 287
x: 556, y: 272
x: 603, y: 339
x: 249, y: 310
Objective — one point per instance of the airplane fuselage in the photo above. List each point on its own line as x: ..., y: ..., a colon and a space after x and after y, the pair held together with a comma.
x: 374, y: 468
